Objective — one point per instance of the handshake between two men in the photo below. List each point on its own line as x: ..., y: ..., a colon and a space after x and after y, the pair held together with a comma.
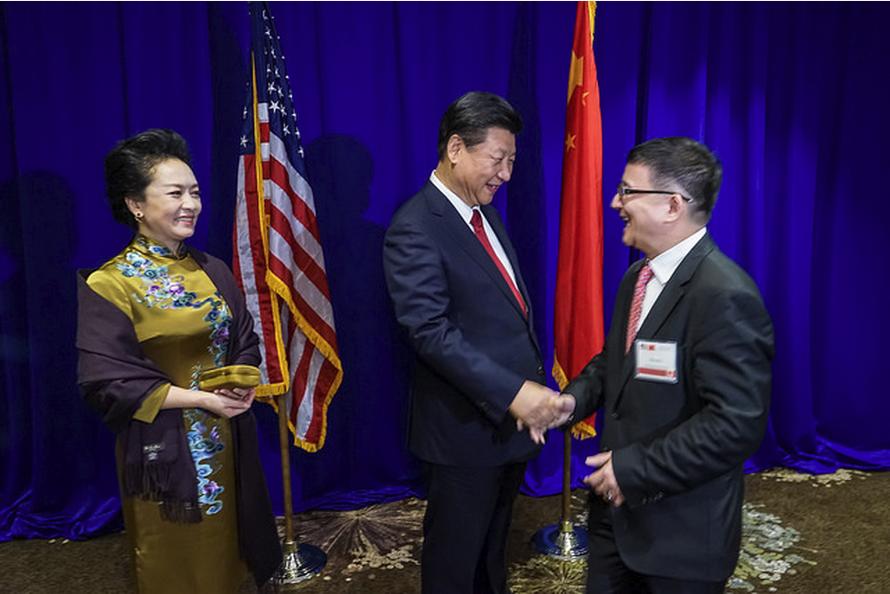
x: 538, y: 408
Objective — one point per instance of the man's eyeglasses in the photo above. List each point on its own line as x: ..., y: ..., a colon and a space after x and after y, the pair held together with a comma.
x: 624, y: 191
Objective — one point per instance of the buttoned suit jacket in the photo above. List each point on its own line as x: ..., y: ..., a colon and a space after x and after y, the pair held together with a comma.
x: 678, y: 449
x: 474, y: 347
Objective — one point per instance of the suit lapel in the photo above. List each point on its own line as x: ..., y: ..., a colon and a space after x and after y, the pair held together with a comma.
x: 497, y: 225
x: 670, y: 296
x: 463, y: 236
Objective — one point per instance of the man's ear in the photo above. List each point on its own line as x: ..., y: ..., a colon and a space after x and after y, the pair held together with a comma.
x: 454, y: 147
x: 677, y: 206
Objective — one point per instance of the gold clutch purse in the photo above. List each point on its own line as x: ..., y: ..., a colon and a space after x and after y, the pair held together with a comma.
x: 230, y: 376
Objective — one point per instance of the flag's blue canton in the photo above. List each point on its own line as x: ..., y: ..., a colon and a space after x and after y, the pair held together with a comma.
x: 273, y: 89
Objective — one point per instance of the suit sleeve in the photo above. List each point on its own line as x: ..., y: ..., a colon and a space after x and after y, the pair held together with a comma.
x: 731, y: 355
x: 588, y: 388
x: 419, y: 291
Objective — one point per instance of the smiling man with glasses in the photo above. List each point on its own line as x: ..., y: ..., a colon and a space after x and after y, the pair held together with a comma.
x: 684, y: 380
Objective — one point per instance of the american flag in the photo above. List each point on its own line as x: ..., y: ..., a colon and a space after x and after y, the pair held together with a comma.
x: 278, y: 257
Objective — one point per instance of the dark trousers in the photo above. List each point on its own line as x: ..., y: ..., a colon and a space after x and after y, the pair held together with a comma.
x: 465, y: 528
x: 607, y: 573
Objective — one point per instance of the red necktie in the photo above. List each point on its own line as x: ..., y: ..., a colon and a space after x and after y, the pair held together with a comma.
x: 636, y: 306
x: 479, y: 230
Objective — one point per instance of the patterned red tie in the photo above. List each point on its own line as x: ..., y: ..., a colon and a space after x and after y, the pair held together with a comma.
x: 636, y: 306
x: 479, y: 230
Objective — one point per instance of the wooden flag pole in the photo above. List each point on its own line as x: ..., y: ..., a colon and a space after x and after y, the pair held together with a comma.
x: 284, y: 444
x: 566, y: 524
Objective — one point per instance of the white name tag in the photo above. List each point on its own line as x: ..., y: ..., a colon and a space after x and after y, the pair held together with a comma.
x: 656, y: 361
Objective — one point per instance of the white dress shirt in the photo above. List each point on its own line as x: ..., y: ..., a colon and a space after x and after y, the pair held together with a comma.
x: 663, y: 267
x: 466, y: 213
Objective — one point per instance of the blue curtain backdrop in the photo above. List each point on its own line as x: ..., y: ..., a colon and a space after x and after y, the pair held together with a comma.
x: 793, y: 98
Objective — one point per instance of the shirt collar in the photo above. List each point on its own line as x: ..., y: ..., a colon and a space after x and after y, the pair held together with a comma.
x: 150, y: 247
x: 665, y: 264
x: 463, y: 209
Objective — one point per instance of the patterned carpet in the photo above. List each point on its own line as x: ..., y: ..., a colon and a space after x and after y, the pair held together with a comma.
x: 369, y: 548
x: 801, y: 533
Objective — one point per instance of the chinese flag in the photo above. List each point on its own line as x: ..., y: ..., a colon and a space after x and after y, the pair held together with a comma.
x: 579, y: 277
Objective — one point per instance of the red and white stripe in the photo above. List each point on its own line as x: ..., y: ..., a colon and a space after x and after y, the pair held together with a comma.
x: 294, y: 267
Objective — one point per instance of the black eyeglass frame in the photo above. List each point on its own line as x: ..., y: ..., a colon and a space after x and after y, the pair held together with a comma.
x: 623, y: 191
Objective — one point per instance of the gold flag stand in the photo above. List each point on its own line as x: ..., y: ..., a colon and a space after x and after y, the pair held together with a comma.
x: 301, y: 561
x: 564, y: 540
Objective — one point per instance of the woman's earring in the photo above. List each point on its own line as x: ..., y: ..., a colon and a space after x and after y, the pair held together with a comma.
x: 138, y: 216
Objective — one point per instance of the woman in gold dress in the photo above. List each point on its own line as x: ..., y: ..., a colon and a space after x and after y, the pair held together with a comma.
x: 153, y: 322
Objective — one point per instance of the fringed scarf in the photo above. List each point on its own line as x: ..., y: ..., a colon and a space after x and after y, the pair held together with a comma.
x: 115, y: 376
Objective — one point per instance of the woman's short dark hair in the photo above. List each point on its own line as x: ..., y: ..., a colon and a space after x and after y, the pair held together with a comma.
x: 686, y: 163
x: 130, y: 164
x: 472, y: 115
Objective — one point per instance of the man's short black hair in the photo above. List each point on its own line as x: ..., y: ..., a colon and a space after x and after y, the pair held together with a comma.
x: 472, y: 115
x: 130, y: 164
x: 686, y: 163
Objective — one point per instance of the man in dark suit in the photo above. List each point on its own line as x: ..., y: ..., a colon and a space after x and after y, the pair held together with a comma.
x: 455, y: 285
x: 684, y: 383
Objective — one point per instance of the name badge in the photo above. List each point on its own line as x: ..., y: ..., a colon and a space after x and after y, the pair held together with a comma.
x: 656, y: 361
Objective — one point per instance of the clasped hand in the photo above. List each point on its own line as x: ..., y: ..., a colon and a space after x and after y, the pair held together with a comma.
x: 231, y: 402
x: 539, y: 408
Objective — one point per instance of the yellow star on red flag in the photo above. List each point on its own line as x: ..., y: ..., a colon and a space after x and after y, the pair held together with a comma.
x: 576, y: 74
x: 570, y: 142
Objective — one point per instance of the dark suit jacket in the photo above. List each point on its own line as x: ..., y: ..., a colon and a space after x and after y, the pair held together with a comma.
x: 678, y: 449
x: 474, y: 346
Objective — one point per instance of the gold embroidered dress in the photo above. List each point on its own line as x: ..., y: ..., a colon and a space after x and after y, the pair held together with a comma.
x: 182, y: 324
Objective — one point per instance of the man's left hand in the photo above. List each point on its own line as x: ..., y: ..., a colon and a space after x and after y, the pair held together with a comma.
x: 603, y: 481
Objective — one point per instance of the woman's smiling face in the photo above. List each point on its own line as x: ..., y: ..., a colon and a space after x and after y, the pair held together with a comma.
x: 171, y: 204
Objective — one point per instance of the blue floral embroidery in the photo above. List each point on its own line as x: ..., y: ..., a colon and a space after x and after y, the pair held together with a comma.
x: 166, y: 291
x: 161, y: 289
x: 219, y: 319
x: 153, y: 248
x: 204, y: 446
x: 196, y: 373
